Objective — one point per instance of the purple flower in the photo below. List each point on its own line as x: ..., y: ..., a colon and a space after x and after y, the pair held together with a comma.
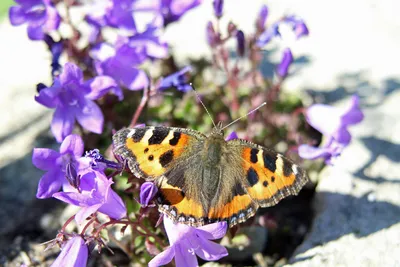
x: 147, y: 192
x: 40, y: 15
x: 218, y: 7
x: 57, y: 164
x: 186, y: 242
x: 262, y: 18
x: 298, y: 25
x: 178, y: 80
x: 241, y: 46
x: 120, y: 62
x: 74, y: 253
x: 73, y: 98
x: 231, y: 136
x: 283, y: 67
x: 212, y: 37
x: 154, y: 46
x: 119, y: 14
x: 94, y: 194
x: 173, y: 10
x: 333, y: 123
x: 268, y: 34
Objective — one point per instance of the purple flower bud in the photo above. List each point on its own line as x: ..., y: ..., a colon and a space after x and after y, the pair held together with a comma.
x: 240, y: 43
x: 56, y: 49
x: 287, y: 59
x: 212, y: 38
x: 268, y: 34
x: 178, y: 80
x: 74, y: 253
x: 231, y: 136
x: 262, y: 18
x: 147, y: 192
x: 218, y: 7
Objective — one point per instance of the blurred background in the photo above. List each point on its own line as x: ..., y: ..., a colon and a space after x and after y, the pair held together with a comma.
x: 353, y: 47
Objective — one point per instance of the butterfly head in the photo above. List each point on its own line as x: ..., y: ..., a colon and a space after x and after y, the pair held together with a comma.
x: 218, y: 129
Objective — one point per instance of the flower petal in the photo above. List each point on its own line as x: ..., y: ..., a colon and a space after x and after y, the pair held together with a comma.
x: 73, y: 254
x: 53, y: 18
x: 35, y: 32
x: 89, y: 115
x: 49, y: 184
x: 71, y: 73
x: 16, y: 15
x: 62, y: 123
x: 287, y: 59
x: 76, y: 199
x: 353, y: 114
x: 147, y: 192
x: 310, y: 152
x: 48, y: 95
x: 101, y: 85
x: 44, y: 158
x: 72, y: 144
x: 208, y: 250
x: 184, y: 255
x: 137, y: 81
x: 231, y: 136
x: 214, y: 230
x: 114, y: 206
x: 163, y: 258
x: 85, y: 212
x: 324, y: 118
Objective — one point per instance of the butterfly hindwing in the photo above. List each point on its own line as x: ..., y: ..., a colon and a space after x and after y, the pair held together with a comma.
x: 152, y: 151
x: 269, y: 176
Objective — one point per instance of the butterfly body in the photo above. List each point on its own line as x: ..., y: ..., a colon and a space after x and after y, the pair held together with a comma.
x: 203, y: 179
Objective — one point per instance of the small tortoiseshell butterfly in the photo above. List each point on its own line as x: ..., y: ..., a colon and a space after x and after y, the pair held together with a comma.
x: 203, y: 179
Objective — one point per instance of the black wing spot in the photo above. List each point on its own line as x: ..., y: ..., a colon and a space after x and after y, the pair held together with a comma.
x: 175, y: 140
x: 146, y: 150
x: 138, y: 135
x: 253, y: 155
x: 252, y: 177
x: 265, y: 183
x: 287, y: 168
x: 151, y: 157
x: 159, y: 134
x: 269, y: 161
x: 166, y: 158
x: 272, y: 178
x: 238, y: 190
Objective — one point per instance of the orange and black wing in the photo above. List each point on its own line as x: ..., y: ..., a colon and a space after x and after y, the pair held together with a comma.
x: 151, y: 151
x: 170, y: 157
x: 269, y: 176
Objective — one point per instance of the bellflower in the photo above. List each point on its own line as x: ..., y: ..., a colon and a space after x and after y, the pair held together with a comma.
x: 59, y: 165
x: 94, y: 194
x: 218, y: 7
x: 186, y: 242
x: 262, y: 18
x: 147, y: 192
x: 268, y: 34
x: 178, y: 80
x: 241, y: 43
x: 231, y: 136
x: 72, y: 99
x: 298, y: 25
x: 154, y: 46
x: 40, y: 15
x: 211, y: 35
x: 121, y: 63
x: 283, y: 67
x: 119, y: 14
x: 169, y: 10
x: 331, y: 122
x: 74, y: 253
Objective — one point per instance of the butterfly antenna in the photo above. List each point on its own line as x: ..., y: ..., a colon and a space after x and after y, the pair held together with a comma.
x: 198, y: 97
x: 260, y: 106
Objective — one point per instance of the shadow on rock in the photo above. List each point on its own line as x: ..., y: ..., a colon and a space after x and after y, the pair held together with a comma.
x: 379, y: 147
x: 344, y: 214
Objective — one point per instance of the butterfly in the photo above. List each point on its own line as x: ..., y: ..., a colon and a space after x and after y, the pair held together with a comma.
x: 203, y: 178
